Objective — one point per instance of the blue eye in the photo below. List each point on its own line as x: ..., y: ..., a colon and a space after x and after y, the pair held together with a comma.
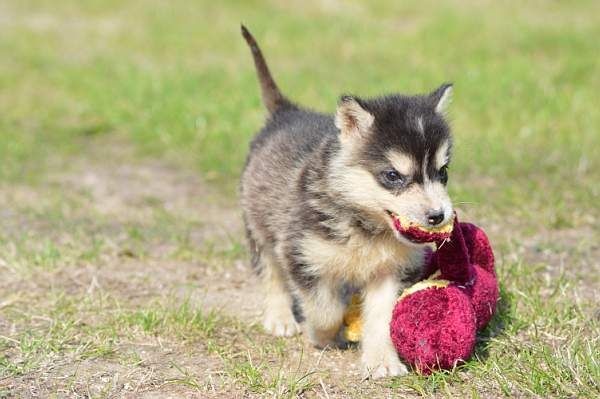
x: 392, y: 177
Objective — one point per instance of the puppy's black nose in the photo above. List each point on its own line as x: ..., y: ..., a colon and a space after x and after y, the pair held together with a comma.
x: 435, y: 216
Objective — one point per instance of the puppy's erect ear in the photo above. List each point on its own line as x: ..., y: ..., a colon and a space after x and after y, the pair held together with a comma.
x: 441, y: 98
x: 351, y: 118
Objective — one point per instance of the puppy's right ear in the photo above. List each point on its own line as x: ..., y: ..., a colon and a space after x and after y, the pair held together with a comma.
x: 441, y: 98
x: 352, y: 119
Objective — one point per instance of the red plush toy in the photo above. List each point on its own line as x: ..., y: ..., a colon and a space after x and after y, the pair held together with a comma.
x: 434, y: 323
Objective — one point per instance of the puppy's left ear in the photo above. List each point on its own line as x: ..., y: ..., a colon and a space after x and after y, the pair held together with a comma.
x: 441, y: 98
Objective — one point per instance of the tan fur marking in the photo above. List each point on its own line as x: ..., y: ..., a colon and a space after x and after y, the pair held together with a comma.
x: 441, y: 156
x: 403, y: 163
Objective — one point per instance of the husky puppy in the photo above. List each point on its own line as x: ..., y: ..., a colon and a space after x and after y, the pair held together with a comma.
x: 322, y: 198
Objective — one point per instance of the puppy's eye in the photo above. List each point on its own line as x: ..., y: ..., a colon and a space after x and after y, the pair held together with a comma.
x: 443, y: 174
x: 392, y: 177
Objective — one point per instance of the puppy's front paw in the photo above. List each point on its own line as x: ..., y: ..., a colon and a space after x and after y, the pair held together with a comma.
x: 380, y: 365
x: 280, y: 324
x: 278, y: 318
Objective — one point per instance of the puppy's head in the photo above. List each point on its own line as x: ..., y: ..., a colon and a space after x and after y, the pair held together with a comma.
x: 393, y: 161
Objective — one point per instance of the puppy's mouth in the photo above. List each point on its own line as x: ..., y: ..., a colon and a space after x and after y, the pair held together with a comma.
x: 417, y: 233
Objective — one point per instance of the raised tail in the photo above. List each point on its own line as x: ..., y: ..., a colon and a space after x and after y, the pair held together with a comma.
x: 272, y: 97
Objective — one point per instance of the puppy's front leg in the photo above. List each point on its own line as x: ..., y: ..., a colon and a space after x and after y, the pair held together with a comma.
x: 379, y: 356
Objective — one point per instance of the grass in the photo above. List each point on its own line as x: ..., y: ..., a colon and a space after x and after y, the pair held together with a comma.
x: 118, y: 263
x: 182, y: 320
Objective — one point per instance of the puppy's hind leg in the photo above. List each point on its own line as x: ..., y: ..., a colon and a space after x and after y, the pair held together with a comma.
x: 323, y: 309
x: 278, y: 317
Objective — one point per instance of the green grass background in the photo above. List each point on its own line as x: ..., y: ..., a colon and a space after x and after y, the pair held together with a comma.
x: 176, y: 79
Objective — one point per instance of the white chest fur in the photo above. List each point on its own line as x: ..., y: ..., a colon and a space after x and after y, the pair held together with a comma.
x: 359, y: 260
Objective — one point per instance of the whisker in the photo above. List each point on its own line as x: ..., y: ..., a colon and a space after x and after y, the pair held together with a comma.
x: 466, y: 202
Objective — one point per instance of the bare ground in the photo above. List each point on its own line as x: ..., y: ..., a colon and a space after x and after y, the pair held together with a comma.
x: 96, y: 257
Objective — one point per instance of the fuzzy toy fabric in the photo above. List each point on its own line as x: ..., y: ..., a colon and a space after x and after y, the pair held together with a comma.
x: 435, y: 327
x: 434, y: 322
x: 473, y: 249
